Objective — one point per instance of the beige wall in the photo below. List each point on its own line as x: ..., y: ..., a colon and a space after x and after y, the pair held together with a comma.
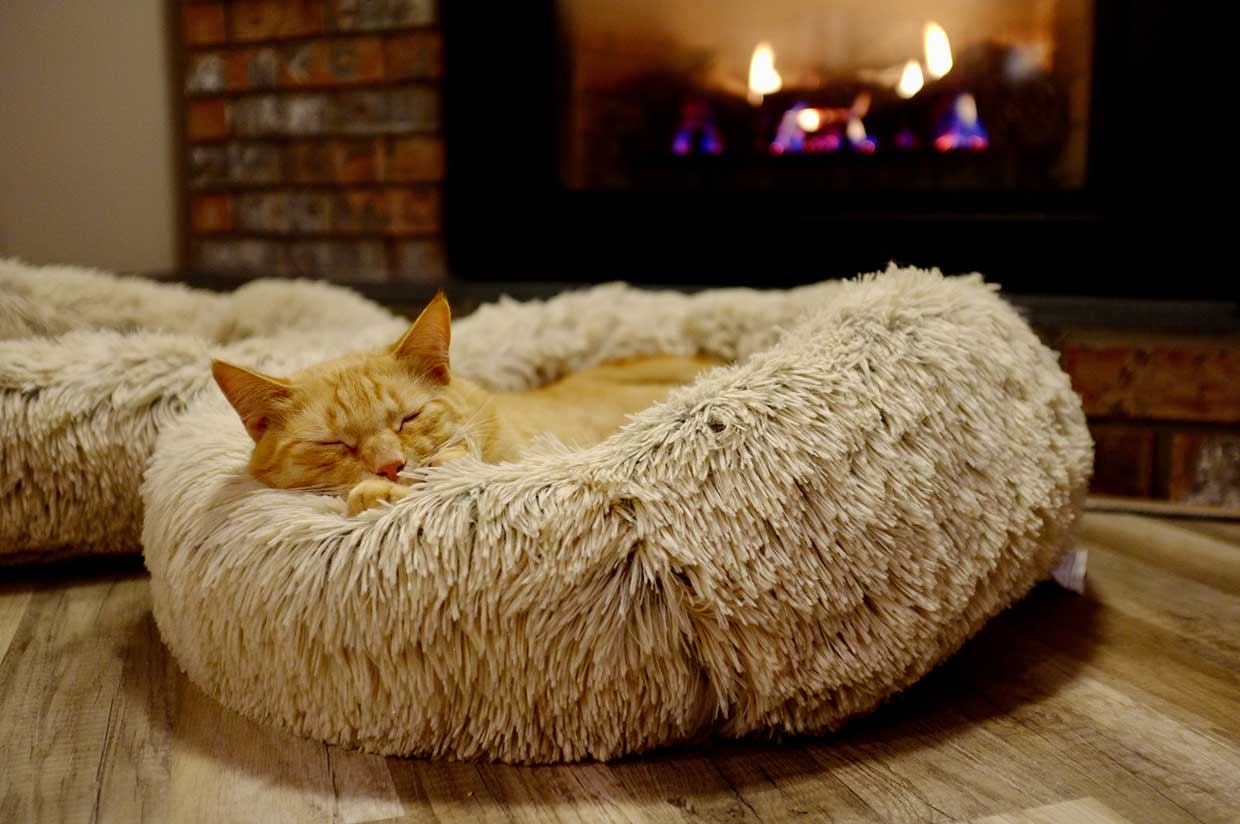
x: 86, y: 142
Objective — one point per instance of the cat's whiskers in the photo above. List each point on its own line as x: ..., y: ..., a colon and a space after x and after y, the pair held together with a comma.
x: 465, y: 433
x: 467, y: 437
x: 324, y: 489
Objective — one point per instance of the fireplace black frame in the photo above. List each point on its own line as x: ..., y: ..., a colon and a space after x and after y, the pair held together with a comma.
x: 507, y: 217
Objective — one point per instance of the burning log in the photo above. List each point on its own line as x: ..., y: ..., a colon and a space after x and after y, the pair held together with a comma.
x: 1014, y: 105
x: 991, y: 97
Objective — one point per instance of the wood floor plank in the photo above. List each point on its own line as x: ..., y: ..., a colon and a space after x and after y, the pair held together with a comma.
x: 1227, y: 531
x: 14, y: 597
x: 1074, y: 765
x: 577, y: 794
x: 951, y: 765
x: 919, y: 758
x: 445, y: 791
x: 363, y: 787
x: 1169, y: 546
x: 59, y: 689
x: 1118, y: 649
x: 1082, y: 811
x: 1135, y: 759
x: 597, y: 793
x: 1009, y: 683
x: 451, y: 792
x: 1184, y: 764
x: 876, y: 784
x: 768, y: 781
x: 134, y: 770
x: 226, y: 768
x: 1204, y: 618
x: 689, y: 781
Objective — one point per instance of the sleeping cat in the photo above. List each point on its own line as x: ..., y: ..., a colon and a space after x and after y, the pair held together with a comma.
x: 350, y: 425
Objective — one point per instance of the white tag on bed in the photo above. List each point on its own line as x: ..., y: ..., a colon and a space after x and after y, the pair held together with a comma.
x: 1070, y: 574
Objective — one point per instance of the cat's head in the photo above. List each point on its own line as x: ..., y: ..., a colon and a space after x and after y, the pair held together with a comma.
x: 360, y: 416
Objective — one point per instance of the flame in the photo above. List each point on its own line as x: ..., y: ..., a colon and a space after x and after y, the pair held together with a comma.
x: 809, y: 119
x: 966, y: 110
x: 859, y: 137
x: 763, y: 79
x: 938, y: 51
x: 810, y: 130
x: 911, y: 80
x: 861, y: 105
x: 963, y: 127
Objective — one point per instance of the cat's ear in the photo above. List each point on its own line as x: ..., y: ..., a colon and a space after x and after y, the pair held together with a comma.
x: 256, y: 397
x: 425, y: 346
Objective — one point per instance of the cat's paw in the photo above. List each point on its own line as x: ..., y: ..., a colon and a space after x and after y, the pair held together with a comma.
x: 369, y: 494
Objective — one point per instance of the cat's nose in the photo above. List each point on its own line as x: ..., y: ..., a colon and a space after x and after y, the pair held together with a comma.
x: 391, y: 469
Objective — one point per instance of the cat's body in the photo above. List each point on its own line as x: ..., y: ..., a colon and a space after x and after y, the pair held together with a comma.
x: 585, y: 407
x: 350, y: 425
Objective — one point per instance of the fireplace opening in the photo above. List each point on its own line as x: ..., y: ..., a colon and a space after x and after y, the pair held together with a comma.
x: 689, y: 142
x: 830, y: 97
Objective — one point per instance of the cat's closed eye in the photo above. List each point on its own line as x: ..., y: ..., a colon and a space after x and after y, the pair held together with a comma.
x: 337, y: 444
x: 408, y: 418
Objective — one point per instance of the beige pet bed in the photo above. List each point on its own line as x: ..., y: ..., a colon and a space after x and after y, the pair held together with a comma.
x: 780, y: 546
x: 92, y: 365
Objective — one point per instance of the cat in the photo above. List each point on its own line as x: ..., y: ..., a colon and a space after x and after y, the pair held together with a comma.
x: 351, y: 425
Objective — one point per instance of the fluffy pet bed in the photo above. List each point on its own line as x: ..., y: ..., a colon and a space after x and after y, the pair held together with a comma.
x: 92, y: 365
x: 778, y: 547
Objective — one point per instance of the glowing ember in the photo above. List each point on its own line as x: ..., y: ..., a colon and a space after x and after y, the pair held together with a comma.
x: 859, y: 138
x: 833, y: 129
x: 911, y: 80
x: 790, y: 137
x: 962, y: 128
x: 809, y: 120
x: 763, y: 79
x: 707, y: 142
x: 824, y: 143
x: 697, y: 133
x: 938, y: 51
x: 905, y: 139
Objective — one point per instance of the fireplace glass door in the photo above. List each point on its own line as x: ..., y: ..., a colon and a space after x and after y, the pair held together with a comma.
x: 844, y: 96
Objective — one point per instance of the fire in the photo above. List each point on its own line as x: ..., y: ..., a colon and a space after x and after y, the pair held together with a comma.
x: 911, y: 80
x: 963, y: 127
x: 966, y: 110
x: 809, y: 119
x: 763, y: 79
x: 938, y: 51
x: 859, y: 137
x: 809, y: 130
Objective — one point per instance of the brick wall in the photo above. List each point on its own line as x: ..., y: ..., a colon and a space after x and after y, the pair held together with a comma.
x: 313, y: 140
x: 1165, y: 415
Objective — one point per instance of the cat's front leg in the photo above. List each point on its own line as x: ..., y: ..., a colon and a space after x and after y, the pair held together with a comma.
x: 370, y: 493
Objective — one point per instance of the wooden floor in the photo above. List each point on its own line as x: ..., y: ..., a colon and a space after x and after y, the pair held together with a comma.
x: 1119, y: 706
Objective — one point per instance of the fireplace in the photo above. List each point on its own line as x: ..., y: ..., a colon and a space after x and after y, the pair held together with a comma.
x: 691, y: 142
x: 833, y: 98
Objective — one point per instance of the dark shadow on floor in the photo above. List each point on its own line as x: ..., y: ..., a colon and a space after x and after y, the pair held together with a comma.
x: 40, y: 571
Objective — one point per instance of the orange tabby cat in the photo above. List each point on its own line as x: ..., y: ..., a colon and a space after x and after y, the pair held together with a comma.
x: 351, y: 425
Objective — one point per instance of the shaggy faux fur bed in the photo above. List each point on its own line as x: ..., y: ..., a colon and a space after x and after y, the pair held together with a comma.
x: 779, y: 547
x: 92, y: 365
